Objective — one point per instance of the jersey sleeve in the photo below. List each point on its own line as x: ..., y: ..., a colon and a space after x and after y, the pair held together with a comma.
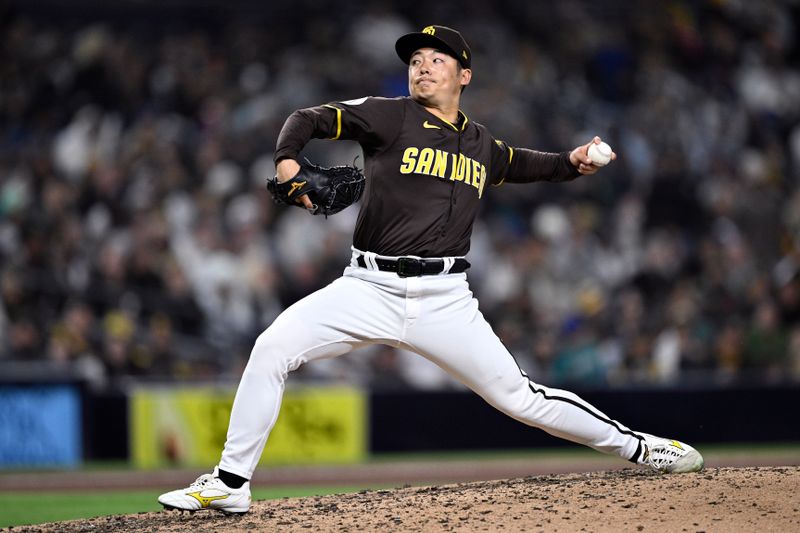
x: 522, y: 165
x: 371, y: 121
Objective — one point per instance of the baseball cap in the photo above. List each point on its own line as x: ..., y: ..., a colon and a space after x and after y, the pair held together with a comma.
x: 442, y: 38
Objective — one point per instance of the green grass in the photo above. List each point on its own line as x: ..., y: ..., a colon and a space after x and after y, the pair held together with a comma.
x: 40, y: 507
x: 35, y: 508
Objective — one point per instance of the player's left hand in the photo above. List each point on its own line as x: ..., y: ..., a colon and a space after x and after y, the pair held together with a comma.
x: 581, y: 160
x: 286, y: 170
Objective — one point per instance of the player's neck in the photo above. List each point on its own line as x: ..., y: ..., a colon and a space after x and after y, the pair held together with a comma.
x: 448, y: 112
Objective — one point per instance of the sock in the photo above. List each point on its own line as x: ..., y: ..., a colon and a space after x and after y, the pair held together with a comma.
x: 232, y: 480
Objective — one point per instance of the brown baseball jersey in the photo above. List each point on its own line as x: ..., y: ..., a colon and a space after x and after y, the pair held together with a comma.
x: 425, y: 175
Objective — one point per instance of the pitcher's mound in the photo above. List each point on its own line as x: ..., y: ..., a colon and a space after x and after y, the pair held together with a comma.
x: 716, y: 499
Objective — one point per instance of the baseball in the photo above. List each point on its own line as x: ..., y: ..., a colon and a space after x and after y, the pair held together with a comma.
x: 600, y: 154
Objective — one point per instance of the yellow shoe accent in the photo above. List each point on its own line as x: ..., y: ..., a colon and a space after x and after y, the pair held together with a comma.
x: 205, y: 501
x: 677, y: 444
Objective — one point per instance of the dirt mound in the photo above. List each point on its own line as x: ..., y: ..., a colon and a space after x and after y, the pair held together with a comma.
x: 717, y: 499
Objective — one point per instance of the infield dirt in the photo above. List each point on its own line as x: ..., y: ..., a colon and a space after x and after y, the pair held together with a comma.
x: 714, y: 500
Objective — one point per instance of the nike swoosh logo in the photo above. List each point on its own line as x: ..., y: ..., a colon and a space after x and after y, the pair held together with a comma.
x: 430, y: 126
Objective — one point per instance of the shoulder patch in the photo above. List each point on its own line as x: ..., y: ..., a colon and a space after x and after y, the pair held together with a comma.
x: 357, y: 101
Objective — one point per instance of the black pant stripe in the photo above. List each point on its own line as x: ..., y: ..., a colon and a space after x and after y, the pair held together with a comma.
x: 579, y: 405
x: 586, y: 409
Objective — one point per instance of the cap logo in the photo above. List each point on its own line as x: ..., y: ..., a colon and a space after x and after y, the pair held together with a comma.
x: 464, y: 55
x: 430, y: 30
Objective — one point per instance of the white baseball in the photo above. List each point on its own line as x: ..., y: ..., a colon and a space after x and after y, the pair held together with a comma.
x: 600, y: 154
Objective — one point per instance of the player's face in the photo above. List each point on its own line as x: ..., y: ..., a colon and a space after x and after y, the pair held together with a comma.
x: 434, y: 77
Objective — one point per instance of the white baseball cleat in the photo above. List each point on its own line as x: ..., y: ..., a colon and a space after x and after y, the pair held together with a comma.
x: 670, y: 456
x: 208, y: 492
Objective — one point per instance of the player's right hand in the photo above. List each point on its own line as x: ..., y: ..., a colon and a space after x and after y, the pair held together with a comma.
x: 579, y: 157
x: 286, y: 170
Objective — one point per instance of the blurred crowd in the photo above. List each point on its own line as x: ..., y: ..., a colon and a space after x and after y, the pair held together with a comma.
x: 138, y: 241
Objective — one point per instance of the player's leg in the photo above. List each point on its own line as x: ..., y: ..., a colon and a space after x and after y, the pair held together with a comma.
x: 451, y: 332
x: 330, y: 322
x: 346, y: 314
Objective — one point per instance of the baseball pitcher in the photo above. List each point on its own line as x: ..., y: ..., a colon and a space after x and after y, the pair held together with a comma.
x: 427, y: 168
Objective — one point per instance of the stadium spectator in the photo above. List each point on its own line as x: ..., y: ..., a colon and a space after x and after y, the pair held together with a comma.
x: 135, y: 230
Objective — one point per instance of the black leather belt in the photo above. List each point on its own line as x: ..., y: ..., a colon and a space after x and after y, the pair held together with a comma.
x: 407, y: 267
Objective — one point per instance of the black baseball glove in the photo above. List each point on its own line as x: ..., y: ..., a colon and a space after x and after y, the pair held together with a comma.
x: 329, y: 189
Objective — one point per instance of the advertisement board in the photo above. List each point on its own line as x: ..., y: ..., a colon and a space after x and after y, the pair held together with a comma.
x: 40, y: 426
x: 187, y: 426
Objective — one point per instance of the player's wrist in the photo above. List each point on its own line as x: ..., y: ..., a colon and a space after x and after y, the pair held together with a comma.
x: 286, y: 169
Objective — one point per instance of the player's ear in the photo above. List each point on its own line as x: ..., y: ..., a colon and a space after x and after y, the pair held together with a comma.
x: 466, y: 76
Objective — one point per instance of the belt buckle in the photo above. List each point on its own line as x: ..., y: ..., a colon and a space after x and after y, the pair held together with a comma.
x: 408, y: 267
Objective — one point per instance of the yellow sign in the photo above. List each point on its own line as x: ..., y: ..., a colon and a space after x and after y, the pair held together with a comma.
x: 186, y: 426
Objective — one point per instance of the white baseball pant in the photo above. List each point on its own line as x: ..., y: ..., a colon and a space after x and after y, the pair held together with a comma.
x: 434, y: 316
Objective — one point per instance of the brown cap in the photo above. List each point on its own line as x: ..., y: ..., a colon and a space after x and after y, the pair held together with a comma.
x: 441, y: 38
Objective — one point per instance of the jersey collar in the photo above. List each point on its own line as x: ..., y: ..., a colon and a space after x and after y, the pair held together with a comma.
x: 463, y: 120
